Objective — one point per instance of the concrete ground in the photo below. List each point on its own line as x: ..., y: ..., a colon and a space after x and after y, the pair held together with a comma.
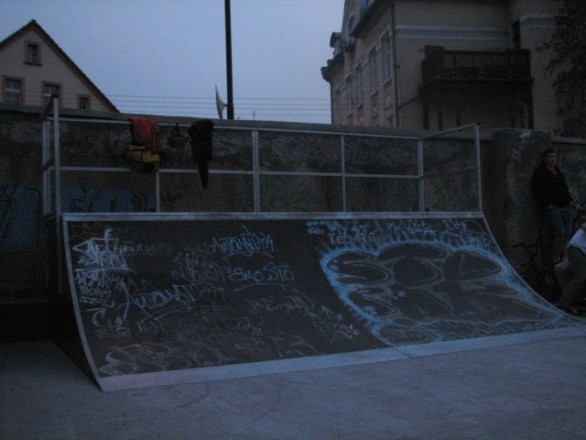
x: 524, y: 386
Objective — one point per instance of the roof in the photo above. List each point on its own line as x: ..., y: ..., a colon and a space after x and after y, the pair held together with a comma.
x: 33, y: 25
x: 367, y: 12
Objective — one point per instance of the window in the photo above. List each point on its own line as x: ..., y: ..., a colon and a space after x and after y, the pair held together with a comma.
x: 83, y: 102
x: 386, y: 57
x: 372, y: 68
x: 374, y: 110
x: 388, y: 96
x: 50, y: 90
x: 517, y: 35
x: 360, y: 116
x: 349, y: 94
x: 374, y: 105
x: 522, y: 114
x: 337, y: 107
x: 359, y: 86
x: 32, y: 54
x: 12, y: 91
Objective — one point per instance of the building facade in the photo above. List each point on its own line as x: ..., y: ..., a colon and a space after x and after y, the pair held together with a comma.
x: 33, y: 68
x: 437, y: 64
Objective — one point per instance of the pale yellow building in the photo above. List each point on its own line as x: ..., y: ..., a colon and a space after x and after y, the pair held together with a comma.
x: 33, y: 68
x: 438, y: 64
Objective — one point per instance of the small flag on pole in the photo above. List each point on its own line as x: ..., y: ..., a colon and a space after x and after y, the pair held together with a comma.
x: 219, y: 104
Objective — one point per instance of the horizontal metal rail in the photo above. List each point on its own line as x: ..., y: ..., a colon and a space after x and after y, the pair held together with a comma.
x: 249, y: 128
x: 450, y: 172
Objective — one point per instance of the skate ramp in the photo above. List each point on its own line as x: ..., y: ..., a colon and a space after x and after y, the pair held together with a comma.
x: 162, y: 299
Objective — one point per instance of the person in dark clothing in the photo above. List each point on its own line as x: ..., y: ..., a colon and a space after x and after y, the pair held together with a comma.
x: 554, y: 204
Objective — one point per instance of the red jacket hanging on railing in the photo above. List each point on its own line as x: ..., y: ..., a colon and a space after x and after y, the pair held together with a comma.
x: 145, y: 132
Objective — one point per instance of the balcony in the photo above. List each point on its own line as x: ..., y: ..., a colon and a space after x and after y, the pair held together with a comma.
x: 505, y: 66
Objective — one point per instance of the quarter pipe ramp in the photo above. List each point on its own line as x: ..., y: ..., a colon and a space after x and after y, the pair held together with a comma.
x: 162, y: 299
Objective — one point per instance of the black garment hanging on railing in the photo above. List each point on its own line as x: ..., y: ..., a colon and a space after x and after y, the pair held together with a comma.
x: 201, y: 138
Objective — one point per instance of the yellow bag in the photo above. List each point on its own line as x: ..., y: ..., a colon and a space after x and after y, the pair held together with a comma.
x: 142, y: 159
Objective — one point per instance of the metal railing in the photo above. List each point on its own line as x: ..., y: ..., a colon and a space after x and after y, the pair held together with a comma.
x: 502, y: 66
x: 53, y: 168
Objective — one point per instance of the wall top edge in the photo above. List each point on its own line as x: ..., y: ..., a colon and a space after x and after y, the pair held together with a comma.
x: 189, y: 216
x: 107, y: 117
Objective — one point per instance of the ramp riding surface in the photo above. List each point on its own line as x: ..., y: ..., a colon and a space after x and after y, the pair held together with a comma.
x: 162, y: 298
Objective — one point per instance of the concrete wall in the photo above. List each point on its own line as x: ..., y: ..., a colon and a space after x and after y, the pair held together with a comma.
x: 298, y: 167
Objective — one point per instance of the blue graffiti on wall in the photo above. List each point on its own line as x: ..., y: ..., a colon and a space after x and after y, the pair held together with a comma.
x: 20, y: 216
x: 426, y: 280
x: 82, y: 199
x: 20, y: 209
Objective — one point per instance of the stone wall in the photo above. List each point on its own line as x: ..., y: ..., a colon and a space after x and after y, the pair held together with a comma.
x: 271, y: 167
x: 508, y: 164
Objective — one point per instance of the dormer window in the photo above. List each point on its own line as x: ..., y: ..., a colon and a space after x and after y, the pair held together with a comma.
x: 350, y: 41
x: 351, y: 24
x: 386, y: 57
x: 32, y: 54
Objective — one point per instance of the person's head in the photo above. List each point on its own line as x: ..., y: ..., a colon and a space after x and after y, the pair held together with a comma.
x: 549, y: 157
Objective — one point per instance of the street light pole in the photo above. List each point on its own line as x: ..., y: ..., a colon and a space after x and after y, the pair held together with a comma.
x: 230, y: 106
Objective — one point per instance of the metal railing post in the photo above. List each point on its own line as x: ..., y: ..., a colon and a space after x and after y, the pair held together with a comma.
x: 256, y: 171
x: 343, y: 171
x: 421, y: 178
x: 478, y: 165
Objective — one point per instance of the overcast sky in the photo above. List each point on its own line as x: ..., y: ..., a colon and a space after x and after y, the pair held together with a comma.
x: 165, y: 57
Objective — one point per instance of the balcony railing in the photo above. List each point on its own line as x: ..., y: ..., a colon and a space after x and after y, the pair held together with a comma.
x: 467, y: 65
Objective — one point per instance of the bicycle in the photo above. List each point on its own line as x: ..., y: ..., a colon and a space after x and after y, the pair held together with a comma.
x: 541, y: 280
